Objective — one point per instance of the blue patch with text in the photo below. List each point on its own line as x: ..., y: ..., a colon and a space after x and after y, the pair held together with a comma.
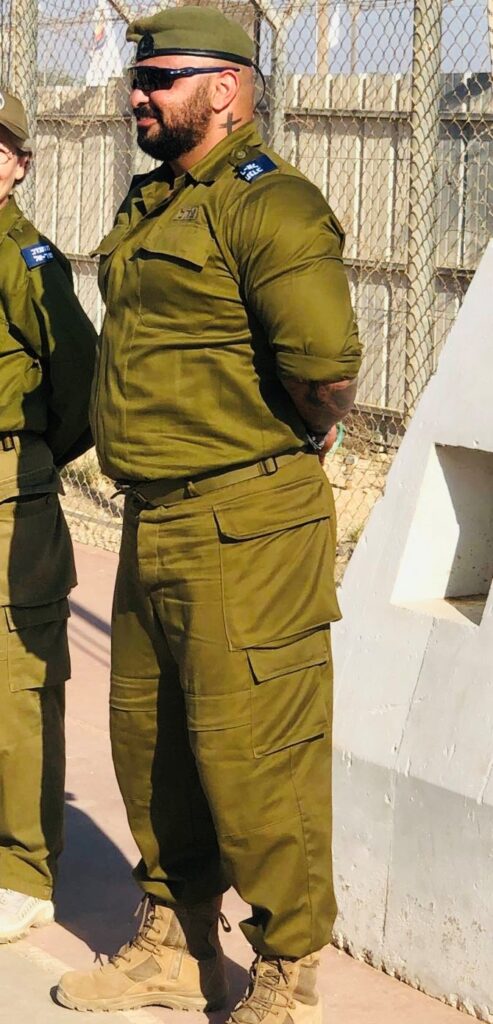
x: 36, y: 255
x: 252, y: 169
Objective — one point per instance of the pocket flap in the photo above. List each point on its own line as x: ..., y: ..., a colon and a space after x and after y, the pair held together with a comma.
x: 289, y: 697
x: 125, y: 695
x: 21, y: 618
x: 109, y: 242
x: 269, y: 663
x: 258, y: 514
x: 191, y: 243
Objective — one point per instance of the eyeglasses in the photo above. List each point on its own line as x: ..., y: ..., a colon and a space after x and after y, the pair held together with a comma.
x: 5, y: 156
x: 151, y: 79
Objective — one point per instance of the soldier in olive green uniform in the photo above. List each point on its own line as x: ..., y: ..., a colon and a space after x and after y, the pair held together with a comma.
x: 228, y: 352
x: 47, y: 348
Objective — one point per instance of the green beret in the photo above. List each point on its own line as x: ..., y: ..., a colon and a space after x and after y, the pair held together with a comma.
x: 13, y: 117
x: 199, y: 31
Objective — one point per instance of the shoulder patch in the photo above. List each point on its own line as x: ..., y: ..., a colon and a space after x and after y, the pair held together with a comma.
x: 36, y: 255
x: 252, y: 169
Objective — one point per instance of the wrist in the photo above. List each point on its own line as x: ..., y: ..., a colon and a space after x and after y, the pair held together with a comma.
x: 316, y: 439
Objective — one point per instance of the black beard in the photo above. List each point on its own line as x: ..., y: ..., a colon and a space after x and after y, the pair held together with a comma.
x: 174, y: 140
x: 170, y: 143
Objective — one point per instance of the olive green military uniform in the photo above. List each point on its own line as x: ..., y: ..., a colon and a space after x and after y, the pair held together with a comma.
x: 46, y: 362
x: 215, y: 285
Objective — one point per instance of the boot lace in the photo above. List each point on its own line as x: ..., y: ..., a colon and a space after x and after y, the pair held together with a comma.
x: 224, y: 922
x: 147, y: 933
x: 267, y: 992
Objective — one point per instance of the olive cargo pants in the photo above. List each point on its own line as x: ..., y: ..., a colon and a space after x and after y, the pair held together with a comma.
x: 221, y: 699
x: 36, y: 574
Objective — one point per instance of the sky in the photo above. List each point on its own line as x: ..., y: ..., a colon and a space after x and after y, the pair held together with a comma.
x: 67, y: 30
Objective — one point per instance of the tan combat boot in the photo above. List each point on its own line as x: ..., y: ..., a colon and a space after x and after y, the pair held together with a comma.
x: 175, y: 960
x: 281, y: 992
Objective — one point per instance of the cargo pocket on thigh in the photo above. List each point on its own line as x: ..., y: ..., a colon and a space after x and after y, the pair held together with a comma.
x: 37, y: 562
x: 35, y: 645
x: 288, y: 693
x: 277, y: 551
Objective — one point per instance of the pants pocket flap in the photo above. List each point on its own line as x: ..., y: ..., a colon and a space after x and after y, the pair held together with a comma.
x: 270, y: 662
x: 258, y: 515
x: 215, y: 713
x: 133, y: 695
x: 34, y: 642
x: 20, y: 618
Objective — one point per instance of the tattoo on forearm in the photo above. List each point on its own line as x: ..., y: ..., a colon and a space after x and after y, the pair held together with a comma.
x: 321, y: 403
x: 229, y: 123
x: 322, y: 395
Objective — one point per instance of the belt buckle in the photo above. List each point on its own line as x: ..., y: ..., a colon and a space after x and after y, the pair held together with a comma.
x: 122, y: 487
x: 190, y: 490
x: 7, y: 442
x: 269, y: 465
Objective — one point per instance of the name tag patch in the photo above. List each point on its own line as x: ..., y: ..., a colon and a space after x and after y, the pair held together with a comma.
x: 253, y: 169
x: 187, y: 213
x: 36, y: 255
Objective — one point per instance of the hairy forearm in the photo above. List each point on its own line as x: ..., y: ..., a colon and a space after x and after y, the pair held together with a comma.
x: 319, y: 403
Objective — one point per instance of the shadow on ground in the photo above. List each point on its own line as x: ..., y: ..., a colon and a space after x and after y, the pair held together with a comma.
x: 238, y: 979
x: 96, y: 895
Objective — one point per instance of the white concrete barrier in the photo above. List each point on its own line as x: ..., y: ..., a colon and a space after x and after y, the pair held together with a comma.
x: 413, y: 733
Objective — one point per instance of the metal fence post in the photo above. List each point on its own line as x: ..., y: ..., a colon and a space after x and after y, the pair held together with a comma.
x: 278, y: 88
x: 425, y: 124
x: 490, y: 31
x: 22, y: 77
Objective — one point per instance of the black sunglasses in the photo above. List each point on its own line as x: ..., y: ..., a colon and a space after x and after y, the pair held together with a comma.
x: 150, y: 79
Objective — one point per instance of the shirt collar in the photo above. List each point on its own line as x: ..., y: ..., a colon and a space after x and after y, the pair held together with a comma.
x: 160, y: 187
x: 233, y: 149
x: 8, y: 216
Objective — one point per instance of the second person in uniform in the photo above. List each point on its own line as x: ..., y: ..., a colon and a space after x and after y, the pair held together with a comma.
x: 47, y: 349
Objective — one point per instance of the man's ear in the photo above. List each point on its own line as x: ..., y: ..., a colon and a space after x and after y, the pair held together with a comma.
x: 226, y: 89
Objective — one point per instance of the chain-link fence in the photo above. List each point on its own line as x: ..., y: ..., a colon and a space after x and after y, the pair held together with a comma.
x: 385, y: 104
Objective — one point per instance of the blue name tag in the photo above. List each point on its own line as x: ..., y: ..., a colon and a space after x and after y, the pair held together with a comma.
x: 252, y: 169
x: 36, y: 255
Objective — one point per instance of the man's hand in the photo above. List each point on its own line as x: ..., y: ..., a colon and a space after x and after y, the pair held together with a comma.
x: 321, y: 404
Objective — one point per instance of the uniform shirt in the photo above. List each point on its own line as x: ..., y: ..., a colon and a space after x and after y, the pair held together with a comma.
x: 47, y: 343
x: 215, y: 284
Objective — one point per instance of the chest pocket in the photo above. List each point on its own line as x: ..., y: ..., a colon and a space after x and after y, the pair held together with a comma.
x: 183, y: 243
x: 105, y: 248
x: 174, y: 277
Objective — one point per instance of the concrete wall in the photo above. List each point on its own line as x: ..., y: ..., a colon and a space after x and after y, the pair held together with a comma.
x: 414, y: 691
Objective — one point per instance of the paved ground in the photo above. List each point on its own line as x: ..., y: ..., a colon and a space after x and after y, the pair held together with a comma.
x: 97, y: 899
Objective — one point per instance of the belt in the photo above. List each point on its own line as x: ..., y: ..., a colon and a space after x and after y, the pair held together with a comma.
x: 166, y: 492
x: 7, y: 442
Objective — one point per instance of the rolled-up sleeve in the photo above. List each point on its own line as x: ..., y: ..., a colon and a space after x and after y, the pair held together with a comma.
x: 288, y: 246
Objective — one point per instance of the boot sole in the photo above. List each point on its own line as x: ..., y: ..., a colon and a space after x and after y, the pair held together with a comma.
x: 40, y: 921
x: 171, y: 1002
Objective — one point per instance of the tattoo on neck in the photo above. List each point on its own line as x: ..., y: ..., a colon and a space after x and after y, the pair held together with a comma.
x: 229, y: 123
